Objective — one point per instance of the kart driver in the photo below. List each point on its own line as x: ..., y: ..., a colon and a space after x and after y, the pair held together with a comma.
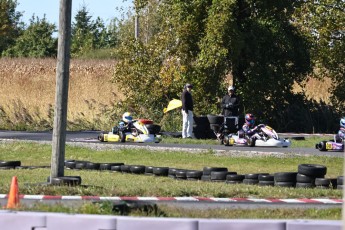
x: 340, y: 136
x: 125, y: 124
x: 249, y: 127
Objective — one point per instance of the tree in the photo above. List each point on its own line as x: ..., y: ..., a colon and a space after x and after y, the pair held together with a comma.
x: 203, y: 42
x: 36, y: 41
x: 88, y: 35
x: 10, y: 26
x: 324, y: 23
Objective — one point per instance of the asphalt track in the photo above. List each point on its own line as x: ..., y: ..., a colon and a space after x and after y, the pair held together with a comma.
x: 91, y: 137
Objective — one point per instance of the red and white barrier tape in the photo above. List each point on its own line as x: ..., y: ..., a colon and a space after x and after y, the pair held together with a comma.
x: 194, y: 199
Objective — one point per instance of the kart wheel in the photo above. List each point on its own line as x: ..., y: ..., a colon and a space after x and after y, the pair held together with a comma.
x: 226, y: 141
x: 251, y: 142
x: 122, y: 137
x: 322, y: 146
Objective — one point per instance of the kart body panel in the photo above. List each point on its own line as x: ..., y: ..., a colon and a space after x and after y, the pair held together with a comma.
x: 330, y: 146
x: 141, y: 138
x: 271, y: 142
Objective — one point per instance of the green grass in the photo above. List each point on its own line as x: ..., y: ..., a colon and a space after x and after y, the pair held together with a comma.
x: 106, y: 183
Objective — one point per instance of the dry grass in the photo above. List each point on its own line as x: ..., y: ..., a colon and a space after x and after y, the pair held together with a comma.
x: 27, y: 92
x: 30, y: 84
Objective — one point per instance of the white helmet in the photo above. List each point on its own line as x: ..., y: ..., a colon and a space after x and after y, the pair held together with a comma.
x: 342, y: 122
x: 127, y: 117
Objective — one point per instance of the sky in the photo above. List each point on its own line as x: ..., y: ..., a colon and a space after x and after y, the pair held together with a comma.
x: 105, y: 9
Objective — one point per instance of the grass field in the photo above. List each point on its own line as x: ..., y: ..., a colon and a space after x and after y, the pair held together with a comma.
x: 106, y: 183
x: 27, y: 94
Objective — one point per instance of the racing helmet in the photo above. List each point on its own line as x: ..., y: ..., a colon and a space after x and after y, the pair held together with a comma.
x: 249, y: 119
x: 127, y: 117
x: 342, y: 122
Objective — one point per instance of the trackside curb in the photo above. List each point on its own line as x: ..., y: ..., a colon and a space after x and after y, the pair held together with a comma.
x: 184, y: 199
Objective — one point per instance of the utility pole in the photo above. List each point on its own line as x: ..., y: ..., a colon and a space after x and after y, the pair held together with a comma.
x: 61, y: 94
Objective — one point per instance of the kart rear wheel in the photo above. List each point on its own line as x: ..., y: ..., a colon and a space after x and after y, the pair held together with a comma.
x: 322, y: 146
x: 226, y: 141
x: 251, y: 142
x: 122, y: 136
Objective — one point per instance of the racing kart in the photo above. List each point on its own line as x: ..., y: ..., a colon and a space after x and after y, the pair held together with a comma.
x: 330, y: 145
x: 264, y: 137
x: 141, y: 130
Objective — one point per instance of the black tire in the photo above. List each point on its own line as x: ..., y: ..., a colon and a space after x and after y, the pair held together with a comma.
x: 122, y: 136
x: 266, y: 177
x: 251, y: 142
x: 334, y: 182
x: 219, y: 175
x: 70, y: 164
x: 254, y: 176
x: 107, y: 166
x: 234, y: 182
x: 250, y: 181
x: 181, y: 174
x: 215, y: 127
x: 206, y: 178
x: 92, y: 166
x: 148, y: 170
x: 301, y: 178
x: 208, y: 170
x: 196, y: 174
x: 235, y: 177
x: 314, y: 170
x: 81, y: 165
x: 65, y: 180
x: 153, y: 128
x: 322, y: 146
x: 101, y: 137
x: 137, y: 169
x: 201, y: 121
x: 305, y: 185
x: 340, y: 180
x: 116, y: 168
x: 125, y: 168
x: 215, y: 119
x: 226, y: 141
x: 10, y: 163
x: 322, y: 182
x: 285, y: 177
x: 285, y: 184
x: 160, y: 171
x: 265, y: 183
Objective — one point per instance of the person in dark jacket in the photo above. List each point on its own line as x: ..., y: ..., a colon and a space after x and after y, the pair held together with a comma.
x: 187, y: 111
x: 230, y: 103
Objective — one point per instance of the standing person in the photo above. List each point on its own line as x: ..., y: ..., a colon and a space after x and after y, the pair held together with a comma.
x: 187, y: 111
x: 340, y: 136
x: 230, y: 103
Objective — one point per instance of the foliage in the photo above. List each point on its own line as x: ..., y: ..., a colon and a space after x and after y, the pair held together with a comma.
x: 36, y: 40
x: 88, y: 35
x: 324, y: 23
x: 203, y: 42
x: 10, y: 26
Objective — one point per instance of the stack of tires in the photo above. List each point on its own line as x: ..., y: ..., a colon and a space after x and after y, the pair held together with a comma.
x: 312, y: 175
x: 201, y: 127
x: 285, y: 179
x: 216, y: 122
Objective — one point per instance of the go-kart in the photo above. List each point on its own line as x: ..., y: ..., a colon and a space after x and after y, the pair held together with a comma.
x: 330, y: 145
x: 141, y: 130
x: 264, y: 137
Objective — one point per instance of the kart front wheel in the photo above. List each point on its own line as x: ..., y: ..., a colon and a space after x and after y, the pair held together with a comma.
x: 322, y: 146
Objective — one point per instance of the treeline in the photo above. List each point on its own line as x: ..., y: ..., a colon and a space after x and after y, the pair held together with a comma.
x: 39, y: 38
x: 261, y: 47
